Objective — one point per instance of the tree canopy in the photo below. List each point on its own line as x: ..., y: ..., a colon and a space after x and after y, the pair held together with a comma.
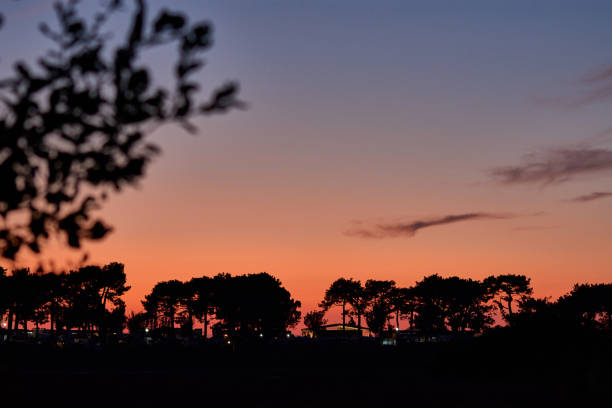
x: 86, y: 298
x: 242, y: 306
x: 341, y: 292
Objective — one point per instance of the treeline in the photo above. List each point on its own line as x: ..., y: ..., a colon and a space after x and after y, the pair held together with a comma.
x: 243, y: 306
x: 437, y: 304
x: 88, y: 298
x: 258, y: 306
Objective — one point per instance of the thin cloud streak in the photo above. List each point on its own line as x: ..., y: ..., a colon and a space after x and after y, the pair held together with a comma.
x: 408, y: 229
x: 534, y: 228
x: 597, y: 87
x: 592, y: 196
x: 601, y: 83
x: 603, y: 74
x: 555, y: 166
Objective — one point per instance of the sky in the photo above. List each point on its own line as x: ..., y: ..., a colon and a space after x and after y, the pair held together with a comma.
x: 382, y: 140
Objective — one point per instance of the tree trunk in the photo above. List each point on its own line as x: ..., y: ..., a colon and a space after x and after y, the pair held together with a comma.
x: 343, y: 316
x: 397, y: 315
x: 509, y: 306
x: 10, y: 324
x: 104, y: 293
x: 205, y: 325
x: 172, y: 324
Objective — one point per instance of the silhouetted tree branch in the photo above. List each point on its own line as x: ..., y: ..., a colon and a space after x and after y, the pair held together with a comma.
x: 74, y: 126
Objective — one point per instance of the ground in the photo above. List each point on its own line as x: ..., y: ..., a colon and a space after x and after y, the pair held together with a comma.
x: 311, y: 375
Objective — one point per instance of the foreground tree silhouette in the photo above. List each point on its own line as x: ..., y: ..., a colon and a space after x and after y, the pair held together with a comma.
x: 341, y: 293
x: 56, y: 294
x: 201, y: 300
x: 168, y: 297
x: 467, y: 304
x: 379, y: 294
x: 588, y: 306
x: 74, y: 127
x: 431, y: 311
x: 314, y: 321
x: 244, y: 306
x: 253, y: 305
x: 4, y: 293
x: 507, y: 290
x: 88, y: 293
x: 401, y: 302
x: 359, y: 301
x: 151, y: 307
x: 452, y: 303
x: 137, y: 322
x: 540, y: 317
x: 87, y: 298
x: 18, y: 289
x: 108, y: 284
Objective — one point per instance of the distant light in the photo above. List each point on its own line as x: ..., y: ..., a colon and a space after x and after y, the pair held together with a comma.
x: 3, y: 324
x: 229, y: 342
x: 397, y: 329
x: 288, y: 335
x: 146, y: 330
x: 261, y: 335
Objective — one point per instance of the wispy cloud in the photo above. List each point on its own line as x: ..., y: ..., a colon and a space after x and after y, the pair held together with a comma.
x: 408, y: 229
x: 535, y: 228
x: 596, y: 87
x: 595, y: 95
x: 601, y: 83
x: 593, y: 87
x: 603, y: 74
x: 592, y: 196
x: 555, y: 166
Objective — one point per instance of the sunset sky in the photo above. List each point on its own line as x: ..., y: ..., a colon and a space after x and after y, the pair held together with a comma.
x: 384, y: 140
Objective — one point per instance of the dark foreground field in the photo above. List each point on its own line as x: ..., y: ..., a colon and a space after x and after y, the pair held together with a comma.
x: 485, y: 373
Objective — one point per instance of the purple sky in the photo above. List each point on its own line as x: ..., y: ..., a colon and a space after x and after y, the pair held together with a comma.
x: 377, y: 113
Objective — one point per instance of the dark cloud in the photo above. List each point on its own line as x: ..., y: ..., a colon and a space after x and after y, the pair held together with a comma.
x: 593, y: 196
x: 555, y: 166
x: 408, y: 229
